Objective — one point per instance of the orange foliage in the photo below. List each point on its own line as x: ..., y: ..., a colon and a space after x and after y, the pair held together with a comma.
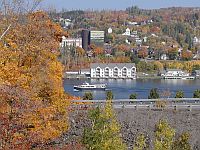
x: 122, y: 48
x: 143, y: 53
x: 186, y: 55
x: 31, y: 88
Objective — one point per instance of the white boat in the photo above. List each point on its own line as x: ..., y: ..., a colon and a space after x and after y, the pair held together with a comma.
x: 87, y: 86
x: 180, y: 77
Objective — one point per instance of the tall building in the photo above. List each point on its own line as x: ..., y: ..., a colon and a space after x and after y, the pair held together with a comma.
x: 92, y: 37
x: 85, y: 39
x: 97, y: 37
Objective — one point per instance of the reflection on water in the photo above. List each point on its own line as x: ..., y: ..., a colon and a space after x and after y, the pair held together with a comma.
x: 123, y: 88
x: 177, y: 82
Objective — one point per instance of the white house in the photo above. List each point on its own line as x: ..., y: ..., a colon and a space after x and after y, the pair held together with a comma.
x: 110, y: 30
x: 113, y: 70
x: 77, y: 42
x: 128, y: 32
x: 163, y: 57
x: 132, y: 23
x: 66, y: 22
x: 145, y: 39
x: 127, y: 41
x: 195, y: 40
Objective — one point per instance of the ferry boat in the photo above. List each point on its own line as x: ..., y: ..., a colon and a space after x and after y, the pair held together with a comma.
x: 87, y: 86
x: 176, y: 74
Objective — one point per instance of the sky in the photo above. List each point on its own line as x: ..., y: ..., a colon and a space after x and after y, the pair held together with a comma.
x: 117, y: 4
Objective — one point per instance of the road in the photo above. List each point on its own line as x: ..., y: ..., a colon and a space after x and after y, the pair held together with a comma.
x: 170, y: 103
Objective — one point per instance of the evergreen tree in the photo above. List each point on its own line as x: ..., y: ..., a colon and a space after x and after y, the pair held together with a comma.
x: 154, y: 94
x: 133, y: 96
x: 179, y: 94
x: 88, y: 96
x: 109, y: 95
x: 196, y: 94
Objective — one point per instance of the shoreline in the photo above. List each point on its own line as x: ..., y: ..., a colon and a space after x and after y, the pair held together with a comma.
x: 140, y: 77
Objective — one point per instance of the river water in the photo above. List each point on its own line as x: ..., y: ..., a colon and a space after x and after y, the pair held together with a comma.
x: 123, y: 88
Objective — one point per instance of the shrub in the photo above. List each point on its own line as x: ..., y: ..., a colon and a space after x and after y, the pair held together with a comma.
x: 154, y: 94
x: 196, y: 94
x: 179, y: 94
x: 88, y: 96
x: 133, y: 96
x: 109, y: 95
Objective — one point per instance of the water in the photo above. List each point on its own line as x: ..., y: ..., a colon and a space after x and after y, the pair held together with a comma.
x: 123, y: 88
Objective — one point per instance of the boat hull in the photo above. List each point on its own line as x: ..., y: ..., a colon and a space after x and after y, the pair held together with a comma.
x: 181, y: 78
x: 78, y: 88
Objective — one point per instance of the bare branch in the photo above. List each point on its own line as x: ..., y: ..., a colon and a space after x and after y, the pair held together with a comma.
x: 5, y: 32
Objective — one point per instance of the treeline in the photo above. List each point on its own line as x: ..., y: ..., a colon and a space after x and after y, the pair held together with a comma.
x: 153, y: 94
x: 157, y: 66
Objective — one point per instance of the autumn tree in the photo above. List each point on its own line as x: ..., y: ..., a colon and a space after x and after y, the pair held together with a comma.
x: 186, y: 55
x: 104, y: 132
x: 173, y: 53
x: 96, y: 50
x: 182, y: 143
x: 158, y: 66
x: 143, y: 53
x: 109, y: 95
x: 164, y: 136
x: 140, y: 143
x: 81, y: 53
x: 28, y: 62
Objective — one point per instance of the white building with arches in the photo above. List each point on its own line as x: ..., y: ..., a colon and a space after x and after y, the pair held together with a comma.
x: 113, y: 71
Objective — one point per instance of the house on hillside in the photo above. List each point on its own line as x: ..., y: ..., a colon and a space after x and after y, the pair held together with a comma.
x: 128, y: 32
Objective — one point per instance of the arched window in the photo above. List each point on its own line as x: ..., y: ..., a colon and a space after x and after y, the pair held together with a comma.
x: 106, y: 72
x: 133, y: 70
x: 124, y: 72
x: 116, y: 72
x: 98, y: 70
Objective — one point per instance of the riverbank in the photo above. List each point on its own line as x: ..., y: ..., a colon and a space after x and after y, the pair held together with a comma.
x: 139, y: 76
x: 136, y: 122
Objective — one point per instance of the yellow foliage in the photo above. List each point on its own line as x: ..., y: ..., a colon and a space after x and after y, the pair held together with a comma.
x: 184, y: 65
x: 29, y: 62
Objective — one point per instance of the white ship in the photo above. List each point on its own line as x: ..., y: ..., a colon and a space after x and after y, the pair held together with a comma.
x: 176, y: 74
x: 87, y: 86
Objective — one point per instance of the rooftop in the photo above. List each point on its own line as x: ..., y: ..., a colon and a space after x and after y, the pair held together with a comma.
x: 173, y: 70
x: 112, y: 65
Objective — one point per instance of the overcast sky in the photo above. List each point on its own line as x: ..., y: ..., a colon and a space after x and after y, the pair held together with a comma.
x: 118, y: 4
